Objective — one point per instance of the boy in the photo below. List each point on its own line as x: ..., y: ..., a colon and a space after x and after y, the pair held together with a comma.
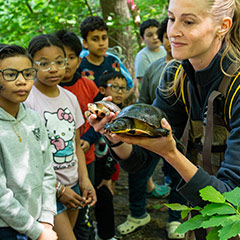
x: 112, y: 84
x: 153, y: 49
x: 94, y: 32
x: 27, y: 178
x: 153, y: 72
x: 86, y: 91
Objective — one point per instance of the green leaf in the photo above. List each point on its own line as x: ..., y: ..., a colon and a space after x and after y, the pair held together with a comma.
x: 229, y: 230
x: 177, y: 206
x: 214, y: 221
x: 192, y: 223
x: 217, y: 208
x: 212, y: 195
x: 184, y: 213
x: 213, y: 234
x: 233, y: 196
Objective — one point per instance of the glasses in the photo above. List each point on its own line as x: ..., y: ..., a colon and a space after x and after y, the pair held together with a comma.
x: 12, y: 74
x: 46, y: 65
x: 117, y: 88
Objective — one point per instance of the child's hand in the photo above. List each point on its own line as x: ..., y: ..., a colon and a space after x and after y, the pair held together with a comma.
x: 108, y: 184
x: 84, y: 145
x: 48, y: 233
x: 88, y: 191
x: 72, y: 199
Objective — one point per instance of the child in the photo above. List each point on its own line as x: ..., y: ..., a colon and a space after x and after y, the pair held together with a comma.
x: 153, y: 49
x: 62, y: 116
x: 153, y: 72
x: 111, y: 84
x: 27, y: 179
x: 94, y: 32
x: 86, y: 91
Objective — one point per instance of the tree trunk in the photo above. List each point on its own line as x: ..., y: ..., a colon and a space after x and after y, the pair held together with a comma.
x: 120, y: 33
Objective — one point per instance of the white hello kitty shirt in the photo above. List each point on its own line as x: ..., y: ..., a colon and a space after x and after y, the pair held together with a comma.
x: 61, y: 116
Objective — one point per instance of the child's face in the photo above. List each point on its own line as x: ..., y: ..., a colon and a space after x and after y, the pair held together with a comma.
x: 72, y: 64
x: 166, y: 43
x: 150, y: 38
x: 118, y: 96
x: 16, y: 91
x: 97, y: 43
x: 55, y: 72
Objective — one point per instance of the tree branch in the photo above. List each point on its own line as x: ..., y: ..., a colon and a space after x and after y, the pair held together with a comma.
x: 29, y: 7
x: 89, y: 8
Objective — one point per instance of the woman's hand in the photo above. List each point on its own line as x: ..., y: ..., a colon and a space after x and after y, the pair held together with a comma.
x: 98, y: 125
x: 71, y: 199
x: 88, y: 191
x: 108, y: 184
x: 160, y: 145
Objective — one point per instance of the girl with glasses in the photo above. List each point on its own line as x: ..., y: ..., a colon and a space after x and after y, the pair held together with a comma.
x: 27, y: 179
x: 62, y: 116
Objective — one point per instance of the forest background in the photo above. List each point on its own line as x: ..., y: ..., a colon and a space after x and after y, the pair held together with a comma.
x: 21, y: 20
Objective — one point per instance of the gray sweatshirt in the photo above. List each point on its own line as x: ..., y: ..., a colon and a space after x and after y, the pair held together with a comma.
x: 27, y: 178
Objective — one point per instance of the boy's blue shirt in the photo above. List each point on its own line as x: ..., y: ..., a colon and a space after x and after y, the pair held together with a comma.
x: 111, y: 62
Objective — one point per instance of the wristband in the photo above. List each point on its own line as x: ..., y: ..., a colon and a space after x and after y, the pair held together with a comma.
x: 110, y: 144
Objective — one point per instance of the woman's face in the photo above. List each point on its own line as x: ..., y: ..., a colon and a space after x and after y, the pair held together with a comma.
x: 192, y: 32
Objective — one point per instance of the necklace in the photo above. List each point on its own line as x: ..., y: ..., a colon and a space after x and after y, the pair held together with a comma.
x: 17, y: 131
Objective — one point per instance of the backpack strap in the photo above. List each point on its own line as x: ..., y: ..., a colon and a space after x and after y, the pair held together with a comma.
x: 185, y: 136
x: 224, y: 90
x: 207, y: 145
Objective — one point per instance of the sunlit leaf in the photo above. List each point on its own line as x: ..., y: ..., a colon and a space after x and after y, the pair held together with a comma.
x: 212, y: 195
x: 217, y: 208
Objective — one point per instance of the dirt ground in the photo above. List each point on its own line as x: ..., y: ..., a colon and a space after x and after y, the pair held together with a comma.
x: 155, y: 207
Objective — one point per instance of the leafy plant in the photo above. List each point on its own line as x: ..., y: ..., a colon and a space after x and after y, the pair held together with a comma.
x: 221, y: 214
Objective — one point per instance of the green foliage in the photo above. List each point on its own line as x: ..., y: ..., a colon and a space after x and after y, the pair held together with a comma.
x: 21, y: 20
x: 221, y: 214
x: 152, y: 9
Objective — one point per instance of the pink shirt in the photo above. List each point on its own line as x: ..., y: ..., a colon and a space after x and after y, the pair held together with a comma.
x: 62, y: 116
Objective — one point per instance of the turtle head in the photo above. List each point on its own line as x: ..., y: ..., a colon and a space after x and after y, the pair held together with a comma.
x: 120, y: 125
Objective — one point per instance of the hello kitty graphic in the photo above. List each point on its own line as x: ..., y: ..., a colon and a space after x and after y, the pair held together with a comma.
x: 61, y: 132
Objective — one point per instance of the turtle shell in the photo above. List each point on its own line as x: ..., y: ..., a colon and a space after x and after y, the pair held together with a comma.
x: 101, y: 108
x: 138, y: 119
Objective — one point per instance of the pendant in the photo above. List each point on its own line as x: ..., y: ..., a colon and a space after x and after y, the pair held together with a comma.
x: 20, y: 139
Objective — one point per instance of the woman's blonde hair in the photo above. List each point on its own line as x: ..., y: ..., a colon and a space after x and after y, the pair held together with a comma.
x: 219, y: 9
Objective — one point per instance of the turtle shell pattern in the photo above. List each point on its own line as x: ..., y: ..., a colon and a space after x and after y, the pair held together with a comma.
x: 143, y: 119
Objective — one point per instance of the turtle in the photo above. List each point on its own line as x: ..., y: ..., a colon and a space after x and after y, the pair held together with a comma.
x: 138, y: 119
x: 101, y: 109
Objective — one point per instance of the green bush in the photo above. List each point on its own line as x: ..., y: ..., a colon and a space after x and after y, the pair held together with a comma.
x: 221, y: 214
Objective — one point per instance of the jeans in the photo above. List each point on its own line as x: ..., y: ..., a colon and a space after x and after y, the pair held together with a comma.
x: 138, y: 188
x: 7, y: 233
x: 174, y: 196
x: 137, y: 183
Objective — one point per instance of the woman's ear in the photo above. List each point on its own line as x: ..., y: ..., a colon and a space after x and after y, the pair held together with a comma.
x: 102, y: 90
x: 224, y: 27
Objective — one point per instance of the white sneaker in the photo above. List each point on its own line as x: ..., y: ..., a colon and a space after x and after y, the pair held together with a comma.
x: 131, y: 224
